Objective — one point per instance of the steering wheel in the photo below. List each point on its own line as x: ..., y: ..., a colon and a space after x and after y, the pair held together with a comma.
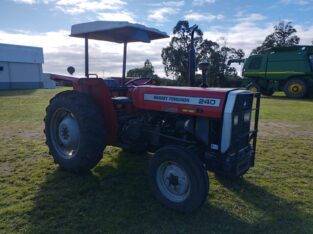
x: 133, y: 82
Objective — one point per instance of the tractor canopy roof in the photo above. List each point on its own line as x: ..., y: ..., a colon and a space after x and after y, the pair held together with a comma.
x: 116, y: 31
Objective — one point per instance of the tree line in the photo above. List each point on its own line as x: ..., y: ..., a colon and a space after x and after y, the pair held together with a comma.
x: 175, y: 55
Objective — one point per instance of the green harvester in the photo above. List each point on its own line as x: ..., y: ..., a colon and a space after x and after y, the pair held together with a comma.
x: 288, y: 69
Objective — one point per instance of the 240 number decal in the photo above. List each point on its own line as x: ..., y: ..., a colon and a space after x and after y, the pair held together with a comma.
x: 207, y: 101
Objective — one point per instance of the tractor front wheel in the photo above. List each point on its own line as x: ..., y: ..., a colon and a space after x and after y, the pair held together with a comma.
x: 178, y: 178
x: 75, y: 132
x: 296, y: 88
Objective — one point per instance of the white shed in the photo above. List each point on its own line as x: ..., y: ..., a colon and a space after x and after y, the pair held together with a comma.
x: 20, y: 67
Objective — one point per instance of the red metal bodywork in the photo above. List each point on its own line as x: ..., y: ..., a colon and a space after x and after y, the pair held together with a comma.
x: 97, y: 89
x: 102, y: 96
x: 139, y: 101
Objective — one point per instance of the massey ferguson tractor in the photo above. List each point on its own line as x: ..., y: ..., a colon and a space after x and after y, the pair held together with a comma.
x: 189, y: 130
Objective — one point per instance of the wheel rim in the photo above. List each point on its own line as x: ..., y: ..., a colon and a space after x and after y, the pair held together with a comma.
x: 65, y: 133
x: 295, y: 88
x: 173, y: 181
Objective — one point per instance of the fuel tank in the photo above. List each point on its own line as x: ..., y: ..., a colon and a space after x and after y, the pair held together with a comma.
x: 206, y: 102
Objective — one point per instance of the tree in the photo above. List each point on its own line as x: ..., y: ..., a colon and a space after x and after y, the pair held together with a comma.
x: 146, y: 71
x: 175, y: 56
x: 284, y: 35
x: 218, y: 56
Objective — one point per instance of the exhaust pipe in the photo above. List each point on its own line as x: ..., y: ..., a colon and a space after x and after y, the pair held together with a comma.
x: 192, y: 57
x: 204, y: 66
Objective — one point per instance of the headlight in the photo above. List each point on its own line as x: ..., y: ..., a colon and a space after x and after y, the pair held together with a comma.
x: 236, y: 119
x: 247, y: 117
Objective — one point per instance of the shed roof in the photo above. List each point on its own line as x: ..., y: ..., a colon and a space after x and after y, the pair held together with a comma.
x: 21, y: 54
x: 116, y: 31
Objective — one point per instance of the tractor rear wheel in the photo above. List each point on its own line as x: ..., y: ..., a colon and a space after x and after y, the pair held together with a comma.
x: 178, y: 178
x: 296, y: 88
x: 254, y: 87
x: 75, y: 132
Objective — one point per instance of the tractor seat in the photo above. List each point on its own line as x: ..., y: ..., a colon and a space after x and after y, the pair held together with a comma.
x: 121, y: 100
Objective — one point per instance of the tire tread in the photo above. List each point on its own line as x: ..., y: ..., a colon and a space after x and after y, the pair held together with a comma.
x: 92, y: 130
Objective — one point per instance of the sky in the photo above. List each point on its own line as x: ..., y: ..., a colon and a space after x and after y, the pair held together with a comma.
x: 46, y: 23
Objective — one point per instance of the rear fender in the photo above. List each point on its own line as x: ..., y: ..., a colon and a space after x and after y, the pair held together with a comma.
x: 97, y: 89
x: 68, y: 81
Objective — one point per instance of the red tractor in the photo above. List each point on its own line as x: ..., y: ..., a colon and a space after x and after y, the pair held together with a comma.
x: 189, y: 129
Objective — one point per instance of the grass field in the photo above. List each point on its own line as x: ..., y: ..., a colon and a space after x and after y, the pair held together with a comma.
x: 36, y: 197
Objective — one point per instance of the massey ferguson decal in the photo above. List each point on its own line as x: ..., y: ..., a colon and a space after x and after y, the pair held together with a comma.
x: 196, y: 101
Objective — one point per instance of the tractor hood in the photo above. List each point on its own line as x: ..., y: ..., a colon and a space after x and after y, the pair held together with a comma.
x: 208, y: 102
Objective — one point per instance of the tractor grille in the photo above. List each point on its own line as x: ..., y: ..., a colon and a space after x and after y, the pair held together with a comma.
x: 242, y: 121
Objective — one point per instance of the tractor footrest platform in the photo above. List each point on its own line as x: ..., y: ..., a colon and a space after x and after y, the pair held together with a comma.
x: 121, y: 100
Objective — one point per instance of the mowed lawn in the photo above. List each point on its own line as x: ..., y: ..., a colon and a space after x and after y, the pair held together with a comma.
x: 276, y: 196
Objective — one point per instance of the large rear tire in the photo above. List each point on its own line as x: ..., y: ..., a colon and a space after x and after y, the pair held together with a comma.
x: 178, y: 178
x: 296, y: 88
x: 75, y: 132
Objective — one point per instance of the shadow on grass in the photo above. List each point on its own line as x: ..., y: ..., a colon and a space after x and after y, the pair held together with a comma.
x: 16, y: 92
x: 279, y: 216
x: 116, y: 197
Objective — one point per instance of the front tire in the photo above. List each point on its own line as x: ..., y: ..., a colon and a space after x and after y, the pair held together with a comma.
x: 178, y: 178
x: 75, y: 133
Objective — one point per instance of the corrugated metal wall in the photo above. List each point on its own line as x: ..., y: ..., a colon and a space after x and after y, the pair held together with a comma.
x: 20, y: 75
x: 20, y: 67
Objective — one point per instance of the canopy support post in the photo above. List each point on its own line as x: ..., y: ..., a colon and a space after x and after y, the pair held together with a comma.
x: 86, y: 58
x: 124, y: 63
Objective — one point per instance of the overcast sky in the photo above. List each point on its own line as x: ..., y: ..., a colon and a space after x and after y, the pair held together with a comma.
x: 46, y: 23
